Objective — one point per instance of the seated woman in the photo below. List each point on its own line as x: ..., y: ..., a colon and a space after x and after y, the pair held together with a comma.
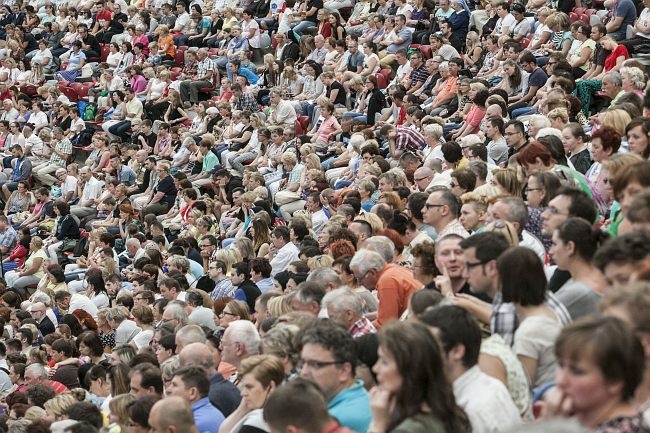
x: 66, y: 231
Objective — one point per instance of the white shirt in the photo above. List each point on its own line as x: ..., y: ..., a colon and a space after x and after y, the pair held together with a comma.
x: 92, y: 189
x: 38, y: 119
x: 318, y: 220
x: 285, y: 255
x: 530, y: 241
x: 70, y: 184
x: 486, y: 401
x: 82, y: 302
x: 507, y: 21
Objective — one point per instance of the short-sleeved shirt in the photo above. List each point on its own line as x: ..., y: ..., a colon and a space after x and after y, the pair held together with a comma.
x: 409, y: 140
x: 405, y: 35
x: 171, y: 51
x: 627, y: 10
x: 507, y: 21
x: 210, y: 160
x: 167, y: 187
x: 522, y: 28
x: 419, y: 75
x: 318, y: 4
x: 589, y: 43
x: 355, y: 60
x: 538, y: 78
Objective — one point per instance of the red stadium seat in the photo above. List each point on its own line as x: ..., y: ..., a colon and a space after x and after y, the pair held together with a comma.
x: 387, y: 73
x: 579, y: 11
x: 179, y: 58
x: 590, y: 12
x: 525, y: 42
x: 573, y: 17
x: 81, y: 89
x: 70, y: 93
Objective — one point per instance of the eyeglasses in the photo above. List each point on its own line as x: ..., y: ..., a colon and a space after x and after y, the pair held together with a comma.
x: 421, y: 179
x: 471, y: 265
x: 429, y: 206
x: 527, y: 190
x: 316, y: 365
x: 206, y: 245
x: 225, y: 313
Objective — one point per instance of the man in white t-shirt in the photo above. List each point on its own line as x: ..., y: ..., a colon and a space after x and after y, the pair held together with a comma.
x: 505, y: 22
x: 183, y: 20
x: 68, y: 184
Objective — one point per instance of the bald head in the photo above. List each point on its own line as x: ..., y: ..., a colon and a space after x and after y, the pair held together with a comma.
x: 172, y: 414
x: 198, y: 354
x: 493, y: 110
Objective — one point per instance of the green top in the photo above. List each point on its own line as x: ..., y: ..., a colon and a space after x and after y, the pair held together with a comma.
x: 420, y: 423
x: 209, y: 161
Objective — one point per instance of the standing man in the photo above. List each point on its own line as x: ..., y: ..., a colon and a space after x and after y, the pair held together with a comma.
x: 189, y: 89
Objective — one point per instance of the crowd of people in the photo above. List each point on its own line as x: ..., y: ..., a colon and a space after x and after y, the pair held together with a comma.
x: 371, y: 216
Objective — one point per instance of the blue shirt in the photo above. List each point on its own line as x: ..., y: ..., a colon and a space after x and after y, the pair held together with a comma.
x: 250, y: 75
x: 127, y: 176
x: 352, y: 408
x: 265, y: 284
x: 208, y: 418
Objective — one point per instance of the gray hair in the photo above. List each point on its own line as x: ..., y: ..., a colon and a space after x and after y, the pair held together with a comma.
x: 517, y: 211
x: 614, y: 77
x: 382, y: 245
x: 135, y: 242
x: 169, y: 367
x: 343, y: 299
x: 539, y: 121
x: 117, y: 314
x: 636, y: 76
x: 545, y: 132
x: 245, y: 332
x: 364, y: 260
x: 191, y: 334
x: 181, y: 262
x: 324, y: 276
x: 177, y: 310
x: 43, y: 297
x: 37, y: 369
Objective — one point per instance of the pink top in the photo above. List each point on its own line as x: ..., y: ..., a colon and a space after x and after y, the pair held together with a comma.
x: 328, y: 126
x: 474, y: 117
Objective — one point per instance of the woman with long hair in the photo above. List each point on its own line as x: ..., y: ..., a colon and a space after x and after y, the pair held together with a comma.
x: 90, y: 347
x: 513, y: 83
x: 413, y: 393
x: 259, y: 231
x: 175, y: 113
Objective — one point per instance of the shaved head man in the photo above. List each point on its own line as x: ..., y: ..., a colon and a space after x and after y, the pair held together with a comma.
x: 172, y: 415
x: 223, y: 394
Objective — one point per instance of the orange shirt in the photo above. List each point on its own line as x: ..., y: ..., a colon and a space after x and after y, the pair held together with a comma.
x: 162, y: 41
x: 395, y: 286
x: 450, y: 86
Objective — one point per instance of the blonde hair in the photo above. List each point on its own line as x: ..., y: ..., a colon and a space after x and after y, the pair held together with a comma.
x: 507, y: 229
x: 278, y: 306
x: 372, y: 219
x: 229, y: 256
x: 321, y: 261
x: 559, y: 113
x: 119, y: 407
x: 58, y: 404
x: 617, y: 119
x: 266, y: 369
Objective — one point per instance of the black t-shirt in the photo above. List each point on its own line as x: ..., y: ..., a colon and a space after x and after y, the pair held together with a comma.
x: 32, y: 43
x: 318, y: 4
x: 92, y: 42
x: 166, y: 186
x: 47, y: 211
x: 340, y: 96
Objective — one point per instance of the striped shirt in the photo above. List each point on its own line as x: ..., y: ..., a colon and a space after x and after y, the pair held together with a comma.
x: 409, y: 140
x: 63, y: 146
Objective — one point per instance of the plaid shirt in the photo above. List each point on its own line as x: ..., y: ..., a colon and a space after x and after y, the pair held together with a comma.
x: 205, y: 66
x: 8, y: 238
x: 247, y: 102
x: 409, y: 140
x: 362, y: 327
x: 222, y: 289
x: 63, y: 146
x: 504, y: 319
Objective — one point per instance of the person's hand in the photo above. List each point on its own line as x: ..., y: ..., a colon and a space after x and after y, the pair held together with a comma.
x: 555, y: 404
x: 443, y: 283
x: 382, y: 405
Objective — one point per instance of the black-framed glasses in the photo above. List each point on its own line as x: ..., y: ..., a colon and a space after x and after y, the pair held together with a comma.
x: 471, y: 265
x: 316, y: 365
x: 429, y: 206
x: 225, y: 313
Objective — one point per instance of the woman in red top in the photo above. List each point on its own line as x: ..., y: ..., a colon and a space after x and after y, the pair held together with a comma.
x: 478, y: 94
x: 613, y: 62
